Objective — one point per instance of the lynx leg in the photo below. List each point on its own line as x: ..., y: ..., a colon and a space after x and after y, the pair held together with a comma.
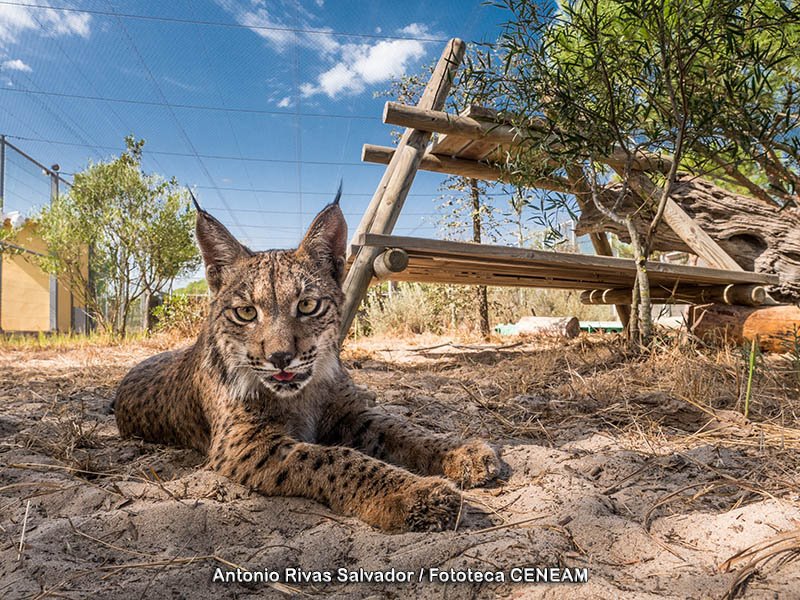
x: 344, y: 479
x: 146, y: 406
x: 356, y: 424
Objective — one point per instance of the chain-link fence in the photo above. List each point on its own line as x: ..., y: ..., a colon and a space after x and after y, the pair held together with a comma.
x: 30, y: 299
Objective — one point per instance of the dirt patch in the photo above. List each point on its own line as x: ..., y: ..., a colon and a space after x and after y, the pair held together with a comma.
x: 640, y: 470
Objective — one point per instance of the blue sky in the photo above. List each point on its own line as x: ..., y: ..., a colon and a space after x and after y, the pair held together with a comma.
x: 261, y: 106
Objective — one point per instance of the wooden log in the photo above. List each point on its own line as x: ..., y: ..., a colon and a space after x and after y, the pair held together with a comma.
x: 459, y: 166
x: 776, y: 328
x: 502, y: 133
x: 393, y: 260
x: 747, y: 295
x: 759, y: 237
x: 388, y: 200
x: 568, y: 327
x: 415, y: 117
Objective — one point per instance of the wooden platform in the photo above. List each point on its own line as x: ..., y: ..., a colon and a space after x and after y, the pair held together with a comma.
x: 437, y: 261
x: 479, y: 144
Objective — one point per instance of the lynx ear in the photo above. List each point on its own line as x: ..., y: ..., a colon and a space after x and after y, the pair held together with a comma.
x: 326, y: 239
x: 219, y: 248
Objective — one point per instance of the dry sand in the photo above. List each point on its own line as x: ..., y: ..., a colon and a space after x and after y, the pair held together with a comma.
x: 609, y: 467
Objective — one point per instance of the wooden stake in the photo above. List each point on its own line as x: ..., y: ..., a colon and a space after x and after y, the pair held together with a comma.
x: 388, y: 200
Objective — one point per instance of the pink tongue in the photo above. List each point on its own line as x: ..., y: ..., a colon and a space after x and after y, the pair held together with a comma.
x: 284, y: 376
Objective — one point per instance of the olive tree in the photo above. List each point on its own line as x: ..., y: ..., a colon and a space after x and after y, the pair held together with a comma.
x: 708, y: 87
x: 137, y: 228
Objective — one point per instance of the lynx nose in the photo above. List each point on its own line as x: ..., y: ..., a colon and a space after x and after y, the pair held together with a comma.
x: 281, y: 360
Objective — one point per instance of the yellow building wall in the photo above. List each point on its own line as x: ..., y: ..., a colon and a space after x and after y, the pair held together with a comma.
x: 25, y: 289
x: 25, y: 296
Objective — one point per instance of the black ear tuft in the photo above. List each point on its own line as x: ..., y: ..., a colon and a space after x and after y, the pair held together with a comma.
x: 338, y: 194
x: 194, y: 200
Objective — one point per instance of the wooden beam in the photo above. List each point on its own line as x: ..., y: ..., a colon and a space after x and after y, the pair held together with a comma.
x: 388, y: 200
x: 459, y: 166
x: 743, y: 294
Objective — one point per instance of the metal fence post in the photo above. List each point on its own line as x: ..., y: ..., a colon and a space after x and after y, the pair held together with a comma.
x: 2, y: 196
x: 53, y: 279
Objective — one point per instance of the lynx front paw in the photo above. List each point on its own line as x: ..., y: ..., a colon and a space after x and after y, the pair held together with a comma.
x: 431, y: 505
x: 426, y: 504
x: 473, y: 464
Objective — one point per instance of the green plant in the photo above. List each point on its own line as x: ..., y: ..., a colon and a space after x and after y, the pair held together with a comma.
x: 710, y: 85
x: 751, y: 357
x: 181, y: 313
x: 133, y: 229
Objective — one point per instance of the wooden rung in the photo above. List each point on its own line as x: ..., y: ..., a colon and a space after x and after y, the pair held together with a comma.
x: 395, y: 113
x: 438, y: 164
x: 742, y: 294
x: 459, y: 166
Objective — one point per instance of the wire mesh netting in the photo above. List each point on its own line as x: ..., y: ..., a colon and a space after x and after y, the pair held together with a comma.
x: 27, y: 186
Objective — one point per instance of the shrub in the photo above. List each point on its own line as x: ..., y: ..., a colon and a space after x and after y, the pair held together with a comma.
x: 411, y: 310
x: 415, y: 308
x: 182, y: 314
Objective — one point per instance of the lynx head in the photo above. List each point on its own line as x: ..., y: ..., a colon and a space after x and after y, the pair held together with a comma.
x: 274, y: 318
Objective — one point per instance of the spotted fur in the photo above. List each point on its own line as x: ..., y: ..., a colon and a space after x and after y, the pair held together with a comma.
x: 314, y: 433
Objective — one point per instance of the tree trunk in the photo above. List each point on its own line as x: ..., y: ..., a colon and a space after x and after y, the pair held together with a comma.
x: 777, y: 328
x: 152, y: 301
x: 759, y: 237
x: 481, y: 292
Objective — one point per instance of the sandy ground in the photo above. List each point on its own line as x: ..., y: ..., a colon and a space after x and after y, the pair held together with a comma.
x: 638, y: 470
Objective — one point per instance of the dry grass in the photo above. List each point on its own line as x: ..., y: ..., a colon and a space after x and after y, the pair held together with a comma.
x: 676, y: 412
x: 772, y: 553
x: 664, y: 403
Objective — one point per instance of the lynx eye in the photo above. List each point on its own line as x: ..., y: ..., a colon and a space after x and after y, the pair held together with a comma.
x: 308, y: 306
x: 245, y: 313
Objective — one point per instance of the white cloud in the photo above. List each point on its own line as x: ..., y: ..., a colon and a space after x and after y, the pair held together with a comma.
x: 17, y: 19
x: 285, y: 24
x: 278, y: 25
x: 15, y: 65
x: 365, y: 64
x: 414, y: 30
x: 285, y: 102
